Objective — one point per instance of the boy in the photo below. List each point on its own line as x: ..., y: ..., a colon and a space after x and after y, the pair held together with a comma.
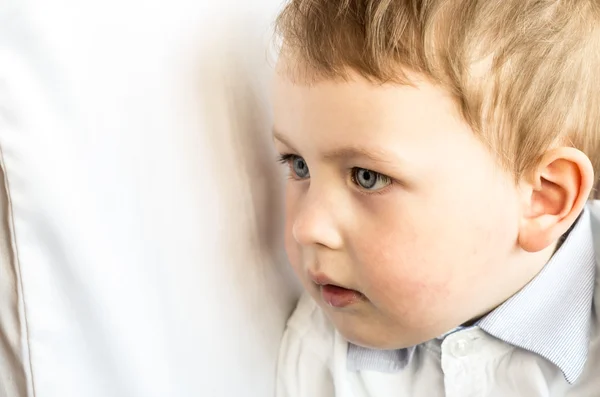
x: 441, y: 156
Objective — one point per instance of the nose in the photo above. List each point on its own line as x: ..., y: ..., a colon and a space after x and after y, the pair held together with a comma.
x: 316, y: 221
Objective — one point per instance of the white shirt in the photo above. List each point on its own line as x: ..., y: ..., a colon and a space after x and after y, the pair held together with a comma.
x: 542, y: 342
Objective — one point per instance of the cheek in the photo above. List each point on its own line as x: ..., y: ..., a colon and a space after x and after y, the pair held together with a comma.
x: 404, y: 280
x: 401, y: 271
x: 417, y: 257
x: 397, y: 268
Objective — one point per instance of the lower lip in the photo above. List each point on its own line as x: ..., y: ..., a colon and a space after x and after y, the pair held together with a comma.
x: 338, y: 296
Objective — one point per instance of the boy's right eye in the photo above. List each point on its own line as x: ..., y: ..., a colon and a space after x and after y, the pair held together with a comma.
x: 297, y: 165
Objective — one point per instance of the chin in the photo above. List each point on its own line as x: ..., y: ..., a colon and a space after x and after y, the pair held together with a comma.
x: 369, y: 337
x: 374, y: 342
x: 362, y: 333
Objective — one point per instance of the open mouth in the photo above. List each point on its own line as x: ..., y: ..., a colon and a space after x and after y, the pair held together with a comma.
x: 339, y: 297
x: 333, y: 294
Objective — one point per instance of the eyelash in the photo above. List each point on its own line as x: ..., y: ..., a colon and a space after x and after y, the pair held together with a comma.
x: 286, y: 159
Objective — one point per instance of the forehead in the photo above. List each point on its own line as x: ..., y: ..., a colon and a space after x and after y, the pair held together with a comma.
x: 359, y: 112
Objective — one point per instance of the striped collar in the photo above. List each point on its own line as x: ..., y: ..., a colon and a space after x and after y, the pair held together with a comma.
x: 551, y: 316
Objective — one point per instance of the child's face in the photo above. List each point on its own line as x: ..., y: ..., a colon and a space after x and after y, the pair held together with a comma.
x: 392, y: 195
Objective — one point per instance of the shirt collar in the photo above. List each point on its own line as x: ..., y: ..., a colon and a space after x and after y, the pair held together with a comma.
x: 551, y: 316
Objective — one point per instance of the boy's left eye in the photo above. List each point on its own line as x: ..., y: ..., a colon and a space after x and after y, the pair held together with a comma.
x: 370, y: 180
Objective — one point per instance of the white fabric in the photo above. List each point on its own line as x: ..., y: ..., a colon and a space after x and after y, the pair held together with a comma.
x: 468, y: 362
x: 13, y: 343
x: 143, y: 199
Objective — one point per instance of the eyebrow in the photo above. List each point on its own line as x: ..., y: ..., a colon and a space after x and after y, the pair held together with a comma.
x: 282, y: 139
x: 348, y: 152
x: 351, y: 152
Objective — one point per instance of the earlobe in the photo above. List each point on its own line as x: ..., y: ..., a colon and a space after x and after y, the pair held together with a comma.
x: 533, y: 237
x: 556, y: 195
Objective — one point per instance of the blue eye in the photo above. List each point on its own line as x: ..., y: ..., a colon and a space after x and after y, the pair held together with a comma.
x: 296, y: 164
x: 299, y: 167
x: 370, y: 180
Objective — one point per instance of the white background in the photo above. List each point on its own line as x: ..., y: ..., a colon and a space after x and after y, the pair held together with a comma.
x: 146, y: 199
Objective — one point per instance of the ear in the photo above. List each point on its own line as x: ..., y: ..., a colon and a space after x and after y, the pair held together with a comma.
x: 554, y: 197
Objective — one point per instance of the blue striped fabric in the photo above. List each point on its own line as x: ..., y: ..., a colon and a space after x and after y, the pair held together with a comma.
x: 551, y: 316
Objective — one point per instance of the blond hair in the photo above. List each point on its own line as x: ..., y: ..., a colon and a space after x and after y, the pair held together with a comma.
x: 525, y: 73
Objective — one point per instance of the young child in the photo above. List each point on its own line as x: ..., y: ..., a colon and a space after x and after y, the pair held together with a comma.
x: 441, y: 159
